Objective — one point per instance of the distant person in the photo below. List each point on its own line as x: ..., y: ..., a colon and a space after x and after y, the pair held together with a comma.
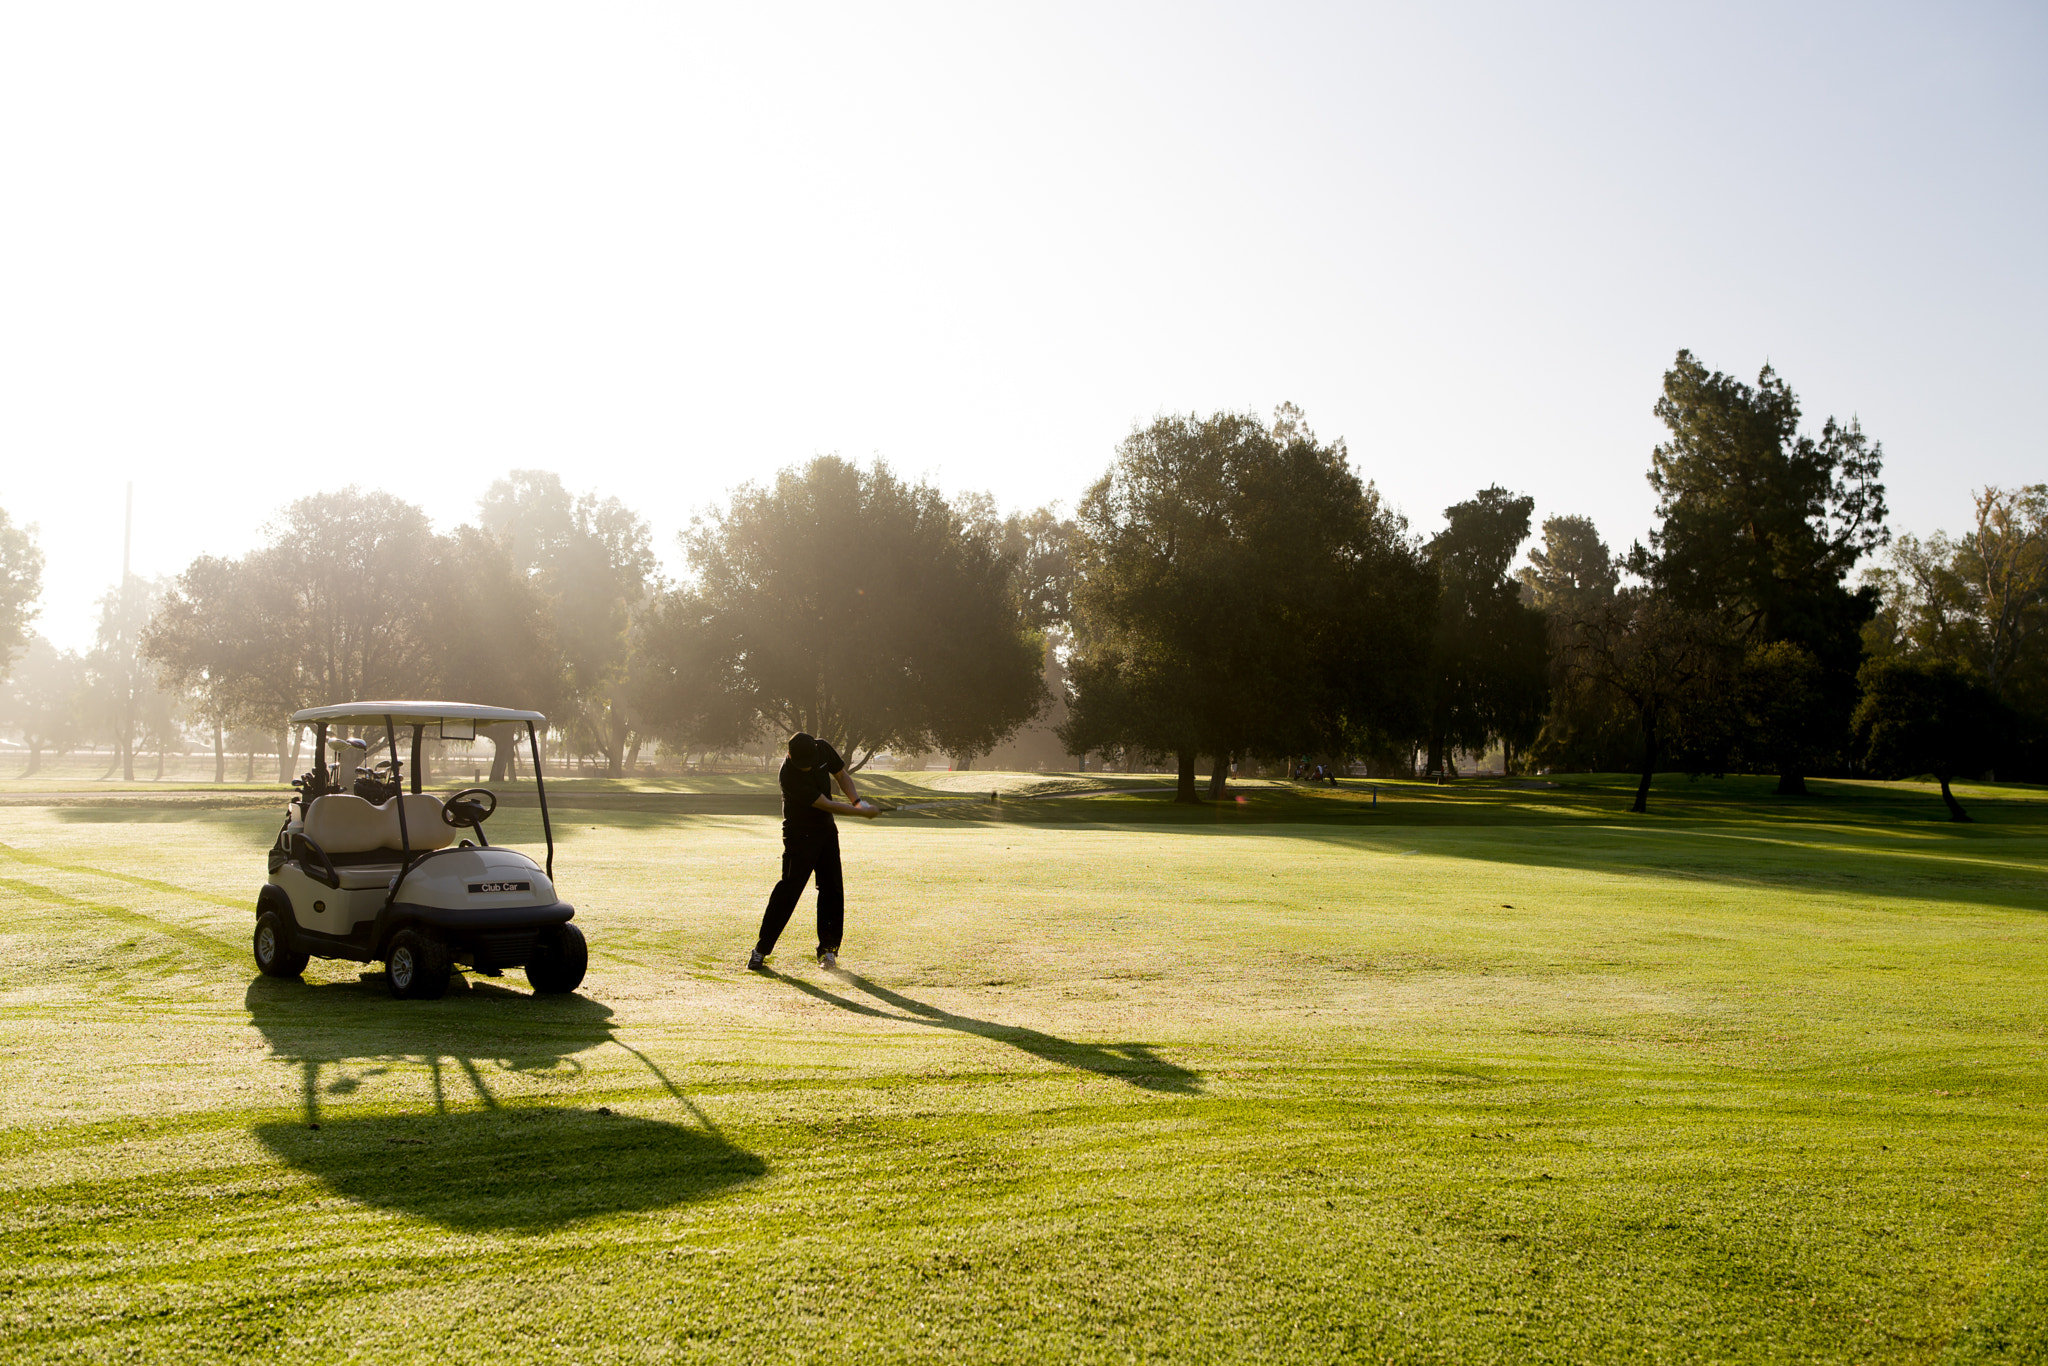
x: 810, y: 846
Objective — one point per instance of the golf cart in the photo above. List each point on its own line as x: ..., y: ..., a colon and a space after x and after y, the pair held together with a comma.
x: 366, y: 871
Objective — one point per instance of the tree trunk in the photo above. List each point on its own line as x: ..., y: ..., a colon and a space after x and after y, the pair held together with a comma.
x: 128, y: 758
x: 35, y: 759
x: 1955, y: 808
x: 159, y: 764
x: 1219, y: 778
x: 1184, y: 790
x: 250, y: 776
x: 1641, y: 806
x: 220, y: 753
x: 615, y: 748
x: 1436, y: 754
x: 1791, y: 784
x: 284, y: 757
x: 497, y: 758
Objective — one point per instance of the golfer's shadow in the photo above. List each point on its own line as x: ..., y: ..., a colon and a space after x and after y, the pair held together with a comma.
x: 1135, y: 1063
x: 472, y: 1161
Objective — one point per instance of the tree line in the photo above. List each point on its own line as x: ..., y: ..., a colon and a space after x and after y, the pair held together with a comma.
x: 1229, y: 591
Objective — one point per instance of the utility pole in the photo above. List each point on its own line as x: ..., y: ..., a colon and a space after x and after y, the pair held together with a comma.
x: 126, y: 646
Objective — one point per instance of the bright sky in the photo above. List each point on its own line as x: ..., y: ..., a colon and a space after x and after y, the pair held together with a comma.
x: 250, y: 253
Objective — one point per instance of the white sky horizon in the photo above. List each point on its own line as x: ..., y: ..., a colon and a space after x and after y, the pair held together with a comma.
x: 259, y: 252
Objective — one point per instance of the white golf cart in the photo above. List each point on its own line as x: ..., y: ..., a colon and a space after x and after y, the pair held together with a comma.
x: 366, y: 871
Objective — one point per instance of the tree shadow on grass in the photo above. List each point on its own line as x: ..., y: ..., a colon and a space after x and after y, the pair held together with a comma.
x: 526, y: 1169
x: 1877, y: 842
x: 523, y: 1168
x: 1136, y: 1063
x: 1843, y: 849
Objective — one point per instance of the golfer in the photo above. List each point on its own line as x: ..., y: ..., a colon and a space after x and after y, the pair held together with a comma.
x: 810, y: 846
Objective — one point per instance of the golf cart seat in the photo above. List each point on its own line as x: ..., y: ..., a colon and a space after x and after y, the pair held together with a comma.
x: 345, y: 825
x: 342, y: 824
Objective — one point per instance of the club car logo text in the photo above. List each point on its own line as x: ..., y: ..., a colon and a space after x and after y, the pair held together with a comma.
x: 501, y: 886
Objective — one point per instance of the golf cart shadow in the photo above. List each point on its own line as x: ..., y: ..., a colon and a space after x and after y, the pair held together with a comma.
x: 486, y: 1165
x: 1135, y: 1063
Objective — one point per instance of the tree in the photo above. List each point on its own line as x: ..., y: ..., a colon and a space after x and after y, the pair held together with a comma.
x: 977, y: 695
x: 1927, y: 716
x: 161, y: 722
x: 1923, y: 605
x: 1349, y: 598
x: 119, y: 687
x: 43, y: 701
x: 1761, y: 525
x: 359, y: 569
x: 21, y: 583
x: 1157, y: 593
x: 2004, y: 561
x: 1236, y: 592
x: 676, y: 691
x: 200, y: 641
x: 1040, y: 546
x: 1572, y: 571
x: 493, y: 634
x: 263, y: 654
x: 1570, y: 578
x: 1654, y: 658
x: 851, y: 605
x: 1979, y: 600
x: 592, y: 559
x: 1777, y: 690
x: 353, y: 598
x: 1489, y: 658
x: 336, y: 608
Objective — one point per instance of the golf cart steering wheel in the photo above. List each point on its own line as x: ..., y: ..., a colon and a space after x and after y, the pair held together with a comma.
x: 464, y: 809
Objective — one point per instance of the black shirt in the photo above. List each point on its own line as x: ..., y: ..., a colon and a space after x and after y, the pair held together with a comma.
x: 801, y: 788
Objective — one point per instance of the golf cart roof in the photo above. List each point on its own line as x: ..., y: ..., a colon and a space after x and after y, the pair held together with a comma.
x: 373, y: 713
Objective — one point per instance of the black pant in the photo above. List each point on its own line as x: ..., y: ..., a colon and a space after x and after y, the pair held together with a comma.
x: 803, y: 857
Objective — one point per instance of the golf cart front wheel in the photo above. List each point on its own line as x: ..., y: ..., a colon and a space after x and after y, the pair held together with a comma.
x: 277, y: 955
x: 417, y: 967
x: 559, y: 961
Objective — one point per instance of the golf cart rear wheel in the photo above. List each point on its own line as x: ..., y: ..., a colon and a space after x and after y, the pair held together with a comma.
x: 559, y: 960
x: 277, y: 955
x: 417, y: 967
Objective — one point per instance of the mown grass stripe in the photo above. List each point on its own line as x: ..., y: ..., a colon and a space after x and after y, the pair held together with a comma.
x: 87, y: 870
x: 2009, y: 1322
x: 191, y: 938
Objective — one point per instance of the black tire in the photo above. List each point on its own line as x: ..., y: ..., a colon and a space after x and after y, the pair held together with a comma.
x: 277, y: 949
x: 559, y: 961
x: 416, y: 967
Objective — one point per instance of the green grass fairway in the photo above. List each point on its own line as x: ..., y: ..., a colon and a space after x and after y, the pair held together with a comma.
x: 1486, y: 1073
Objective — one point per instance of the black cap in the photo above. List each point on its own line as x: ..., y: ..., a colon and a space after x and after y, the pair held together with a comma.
x: 804, y: 749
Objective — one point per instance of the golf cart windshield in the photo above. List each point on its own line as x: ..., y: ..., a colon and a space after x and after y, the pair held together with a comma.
x: 449, y: 720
